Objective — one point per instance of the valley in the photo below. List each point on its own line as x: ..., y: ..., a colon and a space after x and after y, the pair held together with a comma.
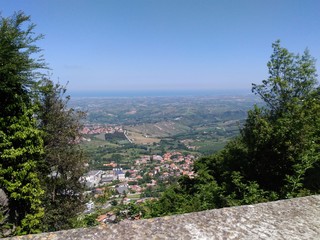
x: 137, y: 146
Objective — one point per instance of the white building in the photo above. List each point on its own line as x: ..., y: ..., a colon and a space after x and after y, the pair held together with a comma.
x: 118, y: 174
x: 93, y: 178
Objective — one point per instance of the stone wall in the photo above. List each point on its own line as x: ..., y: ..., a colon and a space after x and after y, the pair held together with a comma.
x: 286, y: 219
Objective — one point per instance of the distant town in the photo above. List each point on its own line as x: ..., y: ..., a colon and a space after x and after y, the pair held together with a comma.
x: 138, y: 147
x: 129, y: 185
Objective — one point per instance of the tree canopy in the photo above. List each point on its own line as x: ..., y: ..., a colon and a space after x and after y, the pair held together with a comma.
x: 38, y: 136
x: 64, y: 160
x: 21, y: 145
x: 275, y: 156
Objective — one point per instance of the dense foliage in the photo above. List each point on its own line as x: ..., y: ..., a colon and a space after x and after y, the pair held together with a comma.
x: 276, y: 155
x: 21, y: 145
x: 37, y: 136
x: 64, y: 160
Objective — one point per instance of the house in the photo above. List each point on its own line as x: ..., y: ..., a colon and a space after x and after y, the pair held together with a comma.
x: 102, y: 218
x: 122, y: 189
x: 135, y: 188
x: 157, y: 158
x: 173, y: 166
x: 107, y: 179
x: 89, y: 206
x: 107, y: 218
x: 118, y: 174
x: 93, y: 178
x: 98, y: 191
x: 112, y: 164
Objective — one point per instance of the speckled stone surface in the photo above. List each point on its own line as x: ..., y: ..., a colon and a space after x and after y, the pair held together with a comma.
x: 286, y: 219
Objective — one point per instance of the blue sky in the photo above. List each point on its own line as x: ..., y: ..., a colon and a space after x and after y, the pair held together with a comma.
x: 110, y: 45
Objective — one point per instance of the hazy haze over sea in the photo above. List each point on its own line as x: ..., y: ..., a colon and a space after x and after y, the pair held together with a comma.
x: 160, y: 93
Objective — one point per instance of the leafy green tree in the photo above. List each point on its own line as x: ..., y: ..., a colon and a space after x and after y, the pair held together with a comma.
x: 278, y: 146
x: 85, y: 220
x: 282, y: 138
x: 291, y: 79
x: 277, y: 153
x: 116, y: 157
x: 64, y: 159
x: 21, y: 145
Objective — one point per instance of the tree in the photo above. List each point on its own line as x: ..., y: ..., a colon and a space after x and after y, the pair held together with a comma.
x: 64, y: 160
x: 21, y: 146
x: 282, y: 138
x: 40, y: 160
x: 128, y: 174
x: 291, y: 79
x: 279, y: 142
x: 277, y: 153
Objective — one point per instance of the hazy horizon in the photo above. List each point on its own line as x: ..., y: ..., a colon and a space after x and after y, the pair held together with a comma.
x: 159, y: 93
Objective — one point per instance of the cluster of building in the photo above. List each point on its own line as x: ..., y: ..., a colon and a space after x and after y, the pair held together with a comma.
x: 155, y: 167
x: 170, y: 164
x: 98, y: 128
x: 96, y: 178
x: 131, y: 182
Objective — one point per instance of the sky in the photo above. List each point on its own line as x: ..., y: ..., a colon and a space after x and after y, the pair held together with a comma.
x: 130, y: 45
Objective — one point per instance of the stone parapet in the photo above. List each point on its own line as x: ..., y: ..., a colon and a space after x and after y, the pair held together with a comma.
x: 297, y: 218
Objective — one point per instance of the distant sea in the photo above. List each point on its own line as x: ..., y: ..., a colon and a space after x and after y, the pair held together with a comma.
x: 159, y: 93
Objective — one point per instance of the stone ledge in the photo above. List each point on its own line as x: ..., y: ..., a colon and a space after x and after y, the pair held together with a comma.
x: 297, y: 218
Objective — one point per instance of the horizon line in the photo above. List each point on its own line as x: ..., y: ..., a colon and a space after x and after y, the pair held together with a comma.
x: 158, y: 93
